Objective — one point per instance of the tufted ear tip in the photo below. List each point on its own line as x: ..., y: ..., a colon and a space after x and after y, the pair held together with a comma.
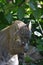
x: 30, y: 29
x: 30, y: 25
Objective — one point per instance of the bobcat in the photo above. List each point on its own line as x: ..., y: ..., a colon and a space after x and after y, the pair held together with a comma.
x: 15, y: 38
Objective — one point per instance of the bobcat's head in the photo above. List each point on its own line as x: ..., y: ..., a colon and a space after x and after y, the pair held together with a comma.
x: 25, y: 35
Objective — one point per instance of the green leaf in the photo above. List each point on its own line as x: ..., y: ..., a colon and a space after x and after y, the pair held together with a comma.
x: 37, y: 14
x: 20, y: 13
x: 32, y: 6
x: 39, y: 42
x: 35, y: 10
x: 9, y: 18
x: 40, y: 47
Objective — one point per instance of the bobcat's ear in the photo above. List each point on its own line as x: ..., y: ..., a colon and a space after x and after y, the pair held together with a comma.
x: 30, y: 29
